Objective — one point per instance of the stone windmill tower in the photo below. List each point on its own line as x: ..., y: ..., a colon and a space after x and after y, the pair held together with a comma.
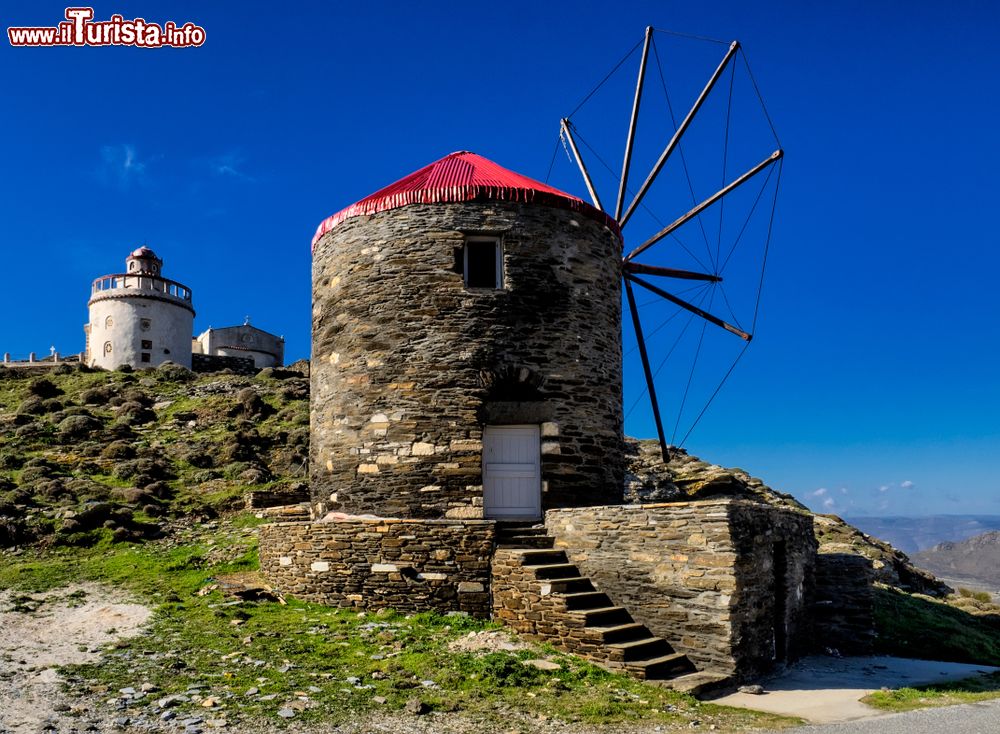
x: 466, y: 349
x: 138, y: 317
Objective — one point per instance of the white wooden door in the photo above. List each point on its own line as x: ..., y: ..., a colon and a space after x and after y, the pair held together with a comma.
x: 512, y: 477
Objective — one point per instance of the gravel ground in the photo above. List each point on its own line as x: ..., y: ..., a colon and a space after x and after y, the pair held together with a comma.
x: 40, y: 632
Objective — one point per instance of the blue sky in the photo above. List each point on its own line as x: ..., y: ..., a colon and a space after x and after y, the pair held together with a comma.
x: 873, y: 372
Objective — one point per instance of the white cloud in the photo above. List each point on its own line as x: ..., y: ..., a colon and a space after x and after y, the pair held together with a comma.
x: 819, y: 492
x: 229, y: 164
x: 884, y: 488
x: 120, y: 163
x: 907, y: 484
x: 843, y: 490
x: 828, y: 502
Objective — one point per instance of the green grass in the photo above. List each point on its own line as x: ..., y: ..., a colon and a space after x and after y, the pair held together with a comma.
x: 970, y: 690
x: 921, y: 627
x: 284, y: 650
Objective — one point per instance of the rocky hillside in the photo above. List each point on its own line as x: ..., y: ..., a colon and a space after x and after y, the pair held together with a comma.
x: 976, y: 559
x: 687, y: 477
x: 87, y: 455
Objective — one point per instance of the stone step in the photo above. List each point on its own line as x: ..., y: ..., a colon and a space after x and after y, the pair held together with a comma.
x: 699, y: 683
x: 661, y: 668
x: 580, y: 600
x: 649, y: 648
x: 606, y: 616
x: 622, y: 632
x: 543, y: 557
x: 567, y: 585
x: 555, y: 571
x: 525, y: 541
x: 526, y: 530
x: 525, y: 527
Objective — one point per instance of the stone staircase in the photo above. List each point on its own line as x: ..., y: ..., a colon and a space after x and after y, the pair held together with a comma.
x: 539, y: 593
x: 523, y: 535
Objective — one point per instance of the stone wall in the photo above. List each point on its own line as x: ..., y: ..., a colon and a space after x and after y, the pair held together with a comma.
x: 408, y: 364
x: 217, y: 363
x: 766, y: 538
x: 409, y: 565
x: 699, y: 574
x: 287, y: 494
x: 843, y: 603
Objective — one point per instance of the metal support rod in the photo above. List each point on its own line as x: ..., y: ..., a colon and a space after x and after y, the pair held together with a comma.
x: 633, y: 267
x: 664, y: 451
x: 690, y: 307
x: 627, y: 162
x: 733, y: 48
x: 770, y: 160
x: 579, y: 162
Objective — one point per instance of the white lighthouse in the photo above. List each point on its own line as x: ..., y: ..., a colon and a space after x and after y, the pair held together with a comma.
x: 138, y: 317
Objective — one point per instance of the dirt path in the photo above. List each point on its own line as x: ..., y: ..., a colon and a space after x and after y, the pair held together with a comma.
x: 38, y: 633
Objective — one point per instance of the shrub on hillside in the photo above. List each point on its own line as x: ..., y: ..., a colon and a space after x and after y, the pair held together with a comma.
x: 99, y: 395
x: 982, y: 596
x: 77, y: 426
x: 14, y: 531
x: 44, y: 388
x: 142, y: 471
x: 11, y: 460
x: 135, y: 414
x: 250, y: 405
x: 119, y: 450
x: 255, y: 475
x: 33, y: 405
x: 173, y: 372
x: 50, y: 489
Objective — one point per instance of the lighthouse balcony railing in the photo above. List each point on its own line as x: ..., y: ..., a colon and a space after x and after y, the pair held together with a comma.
x: 124, y: 281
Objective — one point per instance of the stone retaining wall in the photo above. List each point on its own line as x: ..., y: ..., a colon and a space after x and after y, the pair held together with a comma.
x: 218, y: 362
x: 699, y: 574
x: 409, y: 565
x: 842, y: 608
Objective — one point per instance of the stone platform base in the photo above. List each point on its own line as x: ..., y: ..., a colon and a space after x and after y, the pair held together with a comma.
x: 371, y: 563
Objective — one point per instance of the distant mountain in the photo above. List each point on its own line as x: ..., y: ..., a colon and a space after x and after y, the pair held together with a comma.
x: 975, y: 559
x: 914, y: 534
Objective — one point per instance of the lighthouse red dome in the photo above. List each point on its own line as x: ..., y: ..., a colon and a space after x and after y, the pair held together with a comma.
x: 462, y: 176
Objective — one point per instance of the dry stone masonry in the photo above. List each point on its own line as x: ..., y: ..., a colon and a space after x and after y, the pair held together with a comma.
x: 410, y: 565
x: 724, y: 582
x: 409, y: 364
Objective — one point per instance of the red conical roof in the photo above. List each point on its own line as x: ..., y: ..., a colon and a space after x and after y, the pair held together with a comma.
x: 462, y: 176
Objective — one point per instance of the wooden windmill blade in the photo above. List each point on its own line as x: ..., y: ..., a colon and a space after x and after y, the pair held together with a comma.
x: 632, y: 269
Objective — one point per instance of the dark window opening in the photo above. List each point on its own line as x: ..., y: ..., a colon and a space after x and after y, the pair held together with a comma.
x: 146, y: 344
x: 483, y: 263
x: 166, y: 351
x: 144, y: 357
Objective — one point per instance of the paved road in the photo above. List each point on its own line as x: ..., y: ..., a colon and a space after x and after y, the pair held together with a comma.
x: 976, y: 718
x: 824, y: 690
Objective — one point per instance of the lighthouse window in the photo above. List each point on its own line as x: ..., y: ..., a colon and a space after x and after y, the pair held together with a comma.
x: 483, y: 263
x: 109, y: 322
x: 146, y: 344
x: 144, y: 356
